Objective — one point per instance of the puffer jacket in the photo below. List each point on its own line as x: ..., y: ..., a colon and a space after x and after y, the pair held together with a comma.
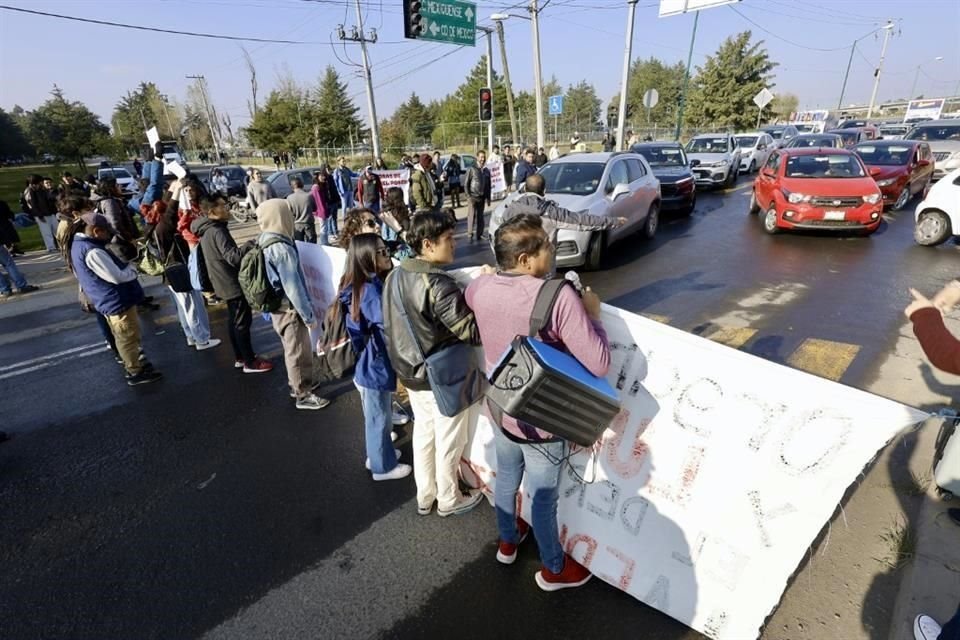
x: 438, y: 312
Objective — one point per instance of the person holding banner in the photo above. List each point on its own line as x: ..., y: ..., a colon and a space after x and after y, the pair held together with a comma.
x: 369, y: 189
x: 503, y: 303
x: 477, y: 187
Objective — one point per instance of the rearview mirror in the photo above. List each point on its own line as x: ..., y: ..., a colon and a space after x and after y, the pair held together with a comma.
x: 619, y: 190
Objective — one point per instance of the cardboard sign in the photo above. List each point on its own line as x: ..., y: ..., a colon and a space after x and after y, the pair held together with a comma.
x: 395, y: 178
x: 322, y: 269
x: 498, y: 184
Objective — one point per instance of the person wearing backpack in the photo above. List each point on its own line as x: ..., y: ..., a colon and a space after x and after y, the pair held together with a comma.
x: 223, y: 257
x: 361, y: 293
x: 286, y: 297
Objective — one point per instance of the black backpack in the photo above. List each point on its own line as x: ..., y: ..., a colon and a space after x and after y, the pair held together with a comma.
x: 335, y: 355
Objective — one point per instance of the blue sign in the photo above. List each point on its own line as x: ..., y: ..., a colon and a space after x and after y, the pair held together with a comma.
x: 556, y: 105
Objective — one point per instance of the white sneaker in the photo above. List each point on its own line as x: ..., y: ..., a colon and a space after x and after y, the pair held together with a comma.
x: 396, y: 451
x: 462, y: 505
x: 399, y: 471
x: 209, y: 344
x: 925, y: 628
x: 312, y: 402
x: 393, y: 436
x: 191, y: 342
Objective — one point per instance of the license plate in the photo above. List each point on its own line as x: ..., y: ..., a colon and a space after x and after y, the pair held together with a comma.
x: 834, y: 215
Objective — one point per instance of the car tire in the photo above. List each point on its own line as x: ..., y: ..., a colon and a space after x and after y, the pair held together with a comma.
x: 932, y: 228
x: 652, y: 223
x: 689, y: 209
x: 770, y: 221
x: 902, y: 199
x: 596, y: 251
x: 754, y: 207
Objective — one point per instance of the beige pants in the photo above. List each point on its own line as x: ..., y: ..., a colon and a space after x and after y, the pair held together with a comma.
x: 438, y: 443
x: 297, y: 352
x: 126, y: 332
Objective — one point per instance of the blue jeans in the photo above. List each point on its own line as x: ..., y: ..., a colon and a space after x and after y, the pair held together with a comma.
x: 378, y: 423
x: 6, y: 261
x: 543, y: 480
x: 328, y: 227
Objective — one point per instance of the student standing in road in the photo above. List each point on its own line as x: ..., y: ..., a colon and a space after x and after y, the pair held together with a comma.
x: 343, y: 180
x: 361, y: 294
x: 477, y: 187
x: 334, y: 204
x: 303, y: 208
x: 222, y: 257
x: 258, y: 191
x: 526, y: 167
x: 451, y: 172
x: 502, y: 304
x: 509, y: 163
x: 321, y: 208
x: 423, y: 190
x: 8, y: 238
x: 295, y: 317
x: 540, y: 160
x: 436, y: 172
x: 437, y: 318
x: 369, y: 190
x: 39, y: 206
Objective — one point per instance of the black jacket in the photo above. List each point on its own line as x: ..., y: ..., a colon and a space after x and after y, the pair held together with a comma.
x: 477, y: 184
x: 438, y: 312
x: 8, y: 233
x: 221, y: 255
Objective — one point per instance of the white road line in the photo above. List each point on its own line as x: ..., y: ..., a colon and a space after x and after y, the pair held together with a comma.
x: 25, y: 363
x: 50, y: 363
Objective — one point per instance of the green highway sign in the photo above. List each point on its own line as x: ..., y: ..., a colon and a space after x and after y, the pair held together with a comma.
x: 449, y: 21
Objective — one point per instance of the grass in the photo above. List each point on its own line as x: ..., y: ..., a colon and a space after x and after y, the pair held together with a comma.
x: 901, y: 544
x: 12, y: 182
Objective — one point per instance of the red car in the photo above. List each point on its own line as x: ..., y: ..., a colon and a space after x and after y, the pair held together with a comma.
x: 902, y: 168
x: 824, y: 189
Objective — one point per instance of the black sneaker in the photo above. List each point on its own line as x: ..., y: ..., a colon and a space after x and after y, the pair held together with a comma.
x: 29, y: 288
x: 144, y: 377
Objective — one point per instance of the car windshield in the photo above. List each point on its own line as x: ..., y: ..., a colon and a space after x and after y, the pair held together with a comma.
x: 942, y: 132
x: 885, y: 155
x: 116, y: 173
x: 777, y: 133
x: 707, y: 145
x: 824, y: 166
x: 747, y: 141
x: 847, y: 136
x: 233, y: 173
x: 812, y: 141
x: 805, y: 128
x: 896, y: 131
x: 572, y: 178
x: 662, y: 156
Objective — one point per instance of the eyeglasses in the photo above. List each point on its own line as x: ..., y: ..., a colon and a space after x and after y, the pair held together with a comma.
x: 370, y: 222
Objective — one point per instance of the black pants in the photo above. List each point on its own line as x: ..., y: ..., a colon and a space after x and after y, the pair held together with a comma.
x: 475, y: 223
x: 455, y: 196
x: 241, y: 317
x: 306, y: 234
x: 951, y: 628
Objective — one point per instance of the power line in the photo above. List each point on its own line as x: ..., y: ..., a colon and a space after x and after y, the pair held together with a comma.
x: 781, y: 38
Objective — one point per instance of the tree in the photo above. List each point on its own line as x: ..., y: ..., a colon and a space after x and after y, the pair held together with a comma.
x: 781, y: 107
x: 141, y: 109
x: 653, y: 74
x: 525, y: 104
x: 725, y: 85
x: 67, y: 129
x: 13, y: 139
x: 411, y: 123
x: 458, y: 119
x: 336, y: 116
x: 581, y: 108
x: 252, y: 106
x: 277, y: 124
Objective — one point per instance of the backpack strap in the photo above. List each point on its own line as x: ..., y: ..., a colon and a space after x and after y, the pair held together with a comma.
x: 543, y: 307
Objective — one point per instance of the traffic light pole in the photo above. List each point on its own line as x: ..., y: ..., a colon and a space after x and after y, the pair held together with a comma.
x: 625, y: 79
x: 537, y: 72
x: 490, y: 125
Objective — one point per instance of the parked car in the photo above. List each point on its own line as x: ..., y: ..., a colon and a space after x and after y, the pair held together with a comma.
x: 714, y: 158
x: 755, y: 148
x: 902, y: 168
x: 943, y: 136
x: 816, y: 141
x: 236, y: 180
x: 852, y: 124
x: 849, y: 137
x: 893, y: 131
x: 125, y: 180
x: 822, y: 189
x: 781, y: 133
x: 280, y: 180
x: 938, y: 215
x: 603, y: 184
x: 669, y: 163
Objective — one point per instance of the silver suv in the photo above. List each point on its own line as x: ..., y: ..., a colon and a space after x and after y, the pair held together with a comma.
x: 943, y: 136
x: 714, y: 158
x: 602, y: 184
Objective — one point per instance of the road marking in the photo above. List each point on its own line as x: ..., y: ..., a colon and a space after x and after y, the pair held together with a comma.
x: 25, y: 363
x: 825, y: 358
x: 50, y: 363
x: 734, y: 337
x: 657, y: 318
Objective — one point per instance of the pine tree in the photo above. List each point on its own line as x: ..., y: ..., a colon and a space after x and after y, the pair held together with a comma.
x: 458, y: 118
x: 335, y: 113
x: 13, y: 139
x: 653, y: 74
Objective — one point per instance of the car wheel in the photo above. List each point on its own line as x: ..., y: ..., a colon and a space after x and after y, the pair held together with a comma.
x: 753, y: 166
x: 596, y: 251
x: 652, y: 222
x: 688, y: 211
x: 902, y: 199
x: 754, y: 207
x: 932, y: 228
x: 770, y: 221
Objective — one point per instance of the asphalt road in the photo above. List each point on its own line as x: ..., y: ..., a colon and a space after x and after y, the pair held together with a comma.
x: 206, y: 504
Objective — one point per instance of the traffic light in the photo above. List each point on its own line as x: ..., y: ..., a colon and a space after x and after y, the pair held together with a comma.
x: 412, y: 18
x: 613, y: 114
x: 486, y: 104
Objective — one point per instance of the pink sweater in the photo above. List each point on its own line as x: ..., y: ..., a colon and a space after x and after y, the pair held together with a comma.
x: 502, y: 305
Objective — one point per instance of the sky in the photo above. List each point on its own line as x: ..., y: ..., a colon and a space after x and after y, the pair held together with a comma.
x: 580, y: 39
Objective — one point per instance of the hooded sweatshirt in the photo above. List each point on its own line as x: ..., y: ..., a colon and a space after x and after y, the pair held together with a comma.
x: 282, y: 259
x: 221, y: 255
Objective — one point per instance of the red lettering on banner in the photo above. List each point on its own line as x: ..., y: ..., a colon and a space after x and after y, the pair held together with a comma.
x: 626, y: 576
x: 679, y: 492
x: 591, y: 547
x: 630, y: 467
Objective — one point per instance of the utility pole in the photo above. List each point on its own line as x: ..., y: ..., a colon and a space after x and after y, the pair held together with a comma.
x: 887, y: 32
x: 537, y: 72
x: 202, y: 82
x: 506, y: 82
x: 166, y: 112
x: 357, y: 35
x: 846, y: 75
x: 493, y: 116
x: 628, y: 48
x: 686, y: 78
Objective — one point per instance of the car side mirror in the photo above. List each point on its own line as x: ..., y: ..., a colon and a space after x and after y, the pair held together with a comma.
x: 875, y: 171
x: 768, y: 173
x: 619, y: 190
x: 923, y: 163
x: 761, y: 147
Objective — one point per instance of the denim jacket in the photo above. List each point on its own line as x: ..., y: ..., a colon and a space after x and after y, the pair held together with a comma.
x: 373, y: 370
x: 285, y: 273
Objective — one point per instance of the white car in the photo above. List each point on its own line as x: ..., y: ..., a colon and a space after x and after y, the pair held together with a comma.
x: 938, y: 216
x: 125, y: 180
x: 755, y: 148
x: 714, y: 158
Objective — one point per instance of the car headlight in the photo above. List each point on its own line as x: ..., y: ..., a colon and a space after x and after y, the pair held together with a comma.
x: 796, y: 198
x: 886, y: 183
x: 873, y: 198
x: 684, y: 180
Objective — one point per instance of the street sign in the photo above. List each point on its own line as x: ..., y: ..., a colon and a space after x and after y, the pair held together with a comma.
x: 763, y: 98
x: 676, y: 7
x: 556, y: 105
x: 449, y: 21
x: 650, y: 98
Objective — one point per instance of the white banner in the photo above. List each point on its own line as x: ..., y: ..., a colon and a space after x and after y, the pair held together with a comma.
x: 395, y: 178
x: 498, y: 184
x: 706, y: 491
x: 924, y: 109
x: 322, y: 269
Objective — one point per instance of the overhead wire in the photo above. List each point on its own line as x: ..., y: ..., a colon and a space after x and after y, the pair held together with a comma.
x: 782, y: 39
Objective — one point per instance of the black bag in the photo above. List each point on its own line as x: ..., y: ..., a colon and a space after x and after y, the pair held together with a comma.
x: 335, y: 355
x: 454, y: 377
x: 177, y: 274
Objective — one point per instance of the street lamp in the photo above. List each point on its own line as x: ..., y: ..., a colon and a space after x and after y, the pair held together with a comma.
x: 916, y: 76
x: 537, y: 73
